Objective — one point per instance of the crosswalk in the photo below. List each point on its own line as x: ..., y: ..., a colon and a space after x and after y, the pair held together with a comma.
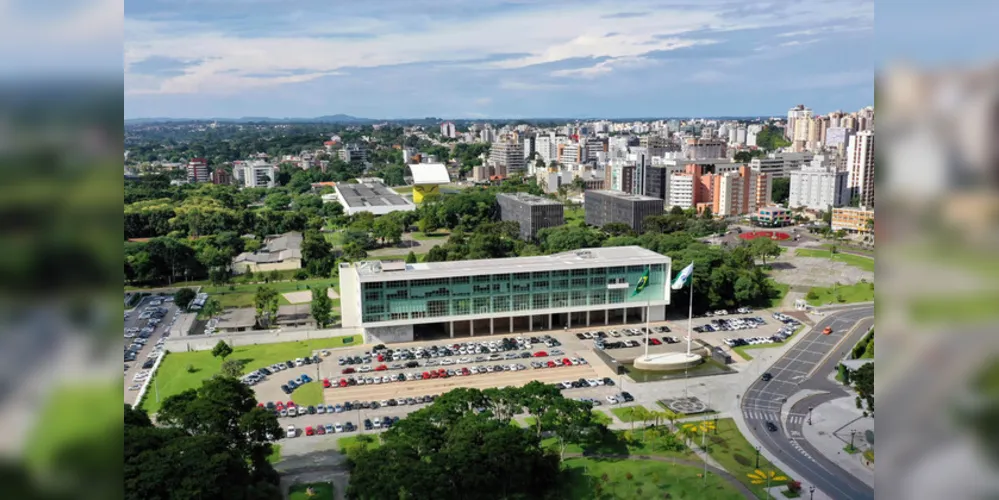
x: 795, y: 419
x: 760, y: 415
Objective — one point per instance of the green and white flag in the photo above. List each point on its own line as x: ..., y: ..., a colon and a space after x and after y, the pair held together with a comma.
x: 642, y: 283
x: 684, y: 277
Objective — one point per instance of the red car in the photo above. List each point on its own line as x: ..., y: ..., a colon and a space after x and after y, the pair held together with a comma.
x: 343, y: 382
x: 381, y: 368
x: 309, y: 431
x: 290, y: 404
x: 540, y: 354
x: 566, y: 362
x: 326, y: 383
x: 465, y: 371
x: 347, y: 371
x: 551, y: 364
x: 320, y: 430
x: 381, y: 357
x: 279, y: 405
x: 260, y: 405
x: 655, y: 341
x: 426, y: 375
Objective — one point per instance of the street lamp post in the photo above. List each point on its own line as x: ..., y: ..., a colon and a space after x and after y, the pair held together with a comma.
x: 809, y: 415
x: 757, y: 457
x: 853, y: 432
x: 811, y: 493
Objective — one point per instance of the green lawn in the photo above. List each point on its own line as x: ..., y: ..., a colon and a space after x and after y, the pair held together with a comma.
x: 83, y: 415
x: 743, y: 350
x: 275, y: 455
x: 309, y: 394
x: 322, y: 491
x: 624, y: 413
x: 851, y: 249
x: 241, y: 295
x: 174, y: 378
x: 369, y: 441
x: 730, y: 449
x: 857, y: 261
x: 638, y: 479
x: 781, y: 289
x: 602, y: 418
x: 420, y: 236
x: 859, y: 292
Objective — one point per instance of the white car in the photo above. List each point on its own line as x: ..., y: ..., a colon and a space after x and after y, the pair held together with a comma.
x: 302, y: 411
x: 593, y: 382
x: 612, y: 399
x: 337, y: 427
x: 377, y: 423
x: 567, y: 385
x: 321, y: 409
x: 292, y: 431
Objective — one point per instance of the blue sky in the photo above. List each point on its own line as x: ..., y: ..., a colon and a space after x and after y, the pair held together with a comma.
x: 495, y: 59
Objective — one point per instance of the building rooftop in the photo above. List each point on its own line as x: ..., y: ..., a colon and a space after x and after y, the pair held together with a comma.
x: 275, y: 249
x: 530, y: 199
x: 621, y: 195
x: 369, y: 194
x: 587, y: 258
x: 430, y: 173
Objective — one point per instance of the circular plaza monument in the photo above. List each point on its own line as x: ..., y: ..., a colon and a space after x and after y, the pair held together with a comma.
x: 668, y: 361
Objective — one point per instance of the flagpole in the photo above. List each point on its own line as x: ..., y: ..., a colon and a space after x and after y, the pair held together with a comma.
x: 690, y: 315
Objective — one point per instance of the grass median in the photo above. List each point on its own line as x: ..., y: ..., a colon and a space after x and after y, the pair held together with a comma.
x: 849, y: 294
x: 743, y: 350
x: 186, y: 370
x: 309, y: 394
x: 731, y: 449
x: 588, y: 478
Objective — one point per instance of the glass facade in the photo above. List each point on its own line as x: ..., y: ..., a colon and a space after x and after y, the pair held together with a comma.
x: 507, y: 294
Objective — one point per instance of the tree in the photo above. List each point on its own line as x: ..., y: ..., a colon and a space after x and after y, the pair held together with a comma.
x: 266, y: 303
x: 221, y: 350
x: 317, y: 254
x: 232, y: 368
x: 411, y: 258
x: 389, y: 229
x: 211, y: 441
x: 762, y: 248
x: 781, y: 190
x: 618, y: 229
x: 183, y: 297
x: 354, y: 251
x: 322, y: 307
x: 211, y: 308
x: 863, y: 382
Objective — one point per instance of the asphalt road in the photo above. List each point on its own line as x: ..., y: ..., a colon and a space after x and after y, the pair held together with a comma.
x: 806, y: 366
x: 159, y: 332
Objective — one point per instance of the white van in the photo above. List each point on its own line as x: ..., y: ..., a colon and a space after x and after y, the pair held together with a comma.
x: 292, y: 432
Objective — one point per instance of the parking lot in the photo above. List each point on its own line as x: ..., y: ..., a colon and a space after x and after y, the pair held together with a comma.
x: 145, y: 326
x: 419, y: 365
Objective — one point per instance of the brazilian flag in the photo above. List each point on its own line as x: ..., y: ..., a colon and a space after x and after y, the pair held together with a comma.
x: 642, y: 283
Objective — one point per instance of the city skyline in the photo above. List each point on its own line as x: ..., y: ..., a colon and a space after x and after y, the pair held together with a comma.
x: 497, y: 60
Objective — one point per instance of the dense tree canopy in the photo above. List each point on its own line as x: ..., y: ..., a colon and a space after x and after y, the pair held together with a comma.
x: 463, y: 446
x: 213, y: 442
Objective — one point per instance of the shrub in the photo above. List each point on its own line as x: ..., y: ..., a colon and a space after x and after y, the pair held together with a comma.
x: 794, y: 486
x: 812, y: 295
x: 629, y: 476
x: 191, y: 369
x: 301, y: 274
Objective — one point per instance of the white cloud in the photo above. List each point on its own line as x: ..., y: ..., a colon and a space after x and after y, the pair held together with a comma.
x: 605, y: 67
x: 522, y: 85
x: 795, y: 43
x: 291, y: 50
x: 822, y: 30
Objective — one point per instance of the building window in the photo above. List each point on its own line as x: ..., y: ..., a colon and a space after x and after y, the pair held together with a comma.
x: 461, y: 307
x: 437, y: 308
x: 540, y: 285
x: 372, y: 296
x: 560, y: 274
x: 580, y: 272
x: 540, y: 301
x: 560, y: 284
x: 579, y: 282
x: 540, y: 276
x: 480, y: 305
x: 481, y: 279
x: 501, y: 303
x: 598, y: 297
x: 521, y: 302
x: 578, y: 298
x: 560, y: 299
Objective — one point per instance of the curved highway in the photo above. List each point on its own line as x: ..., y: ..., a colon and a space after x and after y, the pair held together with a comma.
x: 807, y: 366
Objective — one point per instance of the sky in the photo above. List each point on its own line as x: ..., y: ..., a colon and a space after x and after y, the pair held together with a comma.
x: 496, y: 58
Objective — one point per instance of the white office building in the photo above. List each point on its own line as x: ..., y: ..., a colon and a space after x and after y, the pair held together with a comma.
x: 508, y: 153
x: 819, y: 186
x: 860, y: 165
x: 258, y: 173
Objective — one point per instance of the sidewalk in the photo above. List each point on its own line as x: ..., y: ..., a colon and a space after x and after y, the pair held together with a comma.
x: 829, y: 433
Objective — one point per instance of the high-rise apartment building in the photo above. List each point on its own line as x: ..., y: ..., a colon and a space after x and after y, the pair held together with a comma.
x: 509, y: 153
x: 197, y: 170
x: 780, y: 164
x: 353, y: 153
x: 569, y: 154
x: 220, y: 176
x: 819, y: 186
x: 533, y: 213
x: 703, y: 149
x: 860, y: 165
x: 545, y: 147
x: 448, y: 130
x: 739, y: 192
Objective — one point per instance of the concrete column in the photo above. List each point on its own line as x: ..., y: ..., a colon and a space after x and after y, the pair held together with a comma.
x: 606, y: 317
x: 492, y: 326
x: 550, y: 316
x: 451, y: 328
x: 625, y: 320
x: 530, y: 323
x: 568, y: 319
x: 587, y: 319
x: 511, y: 324
x: 471, y: 327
